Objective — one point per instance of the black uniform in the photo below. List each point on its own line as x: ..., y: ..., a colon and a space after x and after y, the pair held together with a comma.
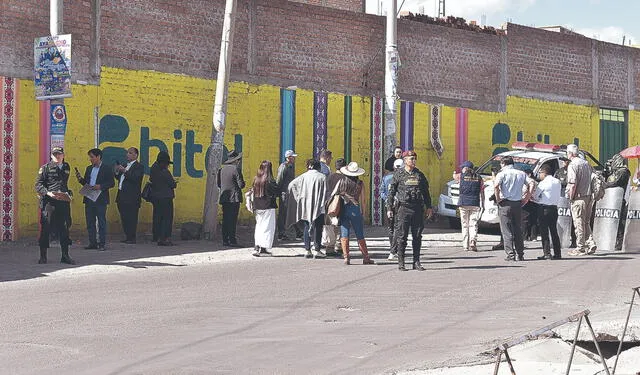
x: 55, y: 215
x: 411, y: 191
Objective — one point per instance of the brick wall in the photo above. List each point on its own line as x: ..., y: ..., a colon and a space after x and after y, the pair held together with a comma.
x: 289, y: 43
x: 350, y: 5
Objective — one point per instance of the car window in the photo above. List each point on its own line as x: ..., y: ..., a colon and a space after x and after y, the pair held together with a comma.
x: 553, y: 164
x: 494, y: 163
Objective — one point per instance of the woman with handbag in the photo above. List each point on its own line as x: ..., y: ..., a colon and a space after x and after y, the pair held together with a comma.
x: 162, y: 193
x: 351, y: 189
x: 265, y: 191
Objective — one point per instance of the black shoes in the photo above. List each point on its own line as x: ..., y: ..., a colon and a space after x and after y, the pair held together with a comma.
x: 417, y: 266
x: 67, y: 260
x: 545, y: 257
x: 520, y: 258
x: 510, y: 259
x: 557, y: 256
x: 102, y: 247
x: 499, y: 246
x: 91, y: 246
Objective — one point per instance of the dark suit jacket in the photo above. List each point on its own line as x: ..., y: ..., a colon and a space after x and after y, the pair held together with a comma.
x: 104, y: 179
x: 130, y: 193
x: 162, y: 182
x: 231, y: 183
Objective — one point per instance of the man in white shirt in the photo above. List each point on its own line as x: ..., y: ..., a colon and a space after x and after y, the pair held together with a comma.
x: 547, y: 195
x: 129, y: 179
x: 508, y: 185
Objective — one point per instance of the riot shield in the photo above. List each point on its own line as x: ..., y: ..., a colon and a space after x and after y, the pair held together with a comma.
x: 606, y: 219
x: 564, y: 222
x: 631, y: 243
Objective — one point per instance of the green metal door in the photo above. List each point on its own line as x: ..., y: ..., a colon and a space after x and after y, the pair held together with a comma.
x: 613, y: 133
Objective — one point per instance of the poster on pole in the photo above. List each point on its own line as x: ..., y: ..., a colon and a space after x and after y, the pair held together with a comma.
x: 52, y: 67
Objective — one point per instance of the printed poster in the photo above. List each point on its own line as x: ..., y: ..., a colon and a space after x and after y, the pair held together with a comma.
x: 52, y: 67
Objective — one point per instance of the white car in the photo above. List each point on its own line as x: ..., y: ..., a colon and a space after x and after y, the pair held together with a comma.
x: 525, y: 155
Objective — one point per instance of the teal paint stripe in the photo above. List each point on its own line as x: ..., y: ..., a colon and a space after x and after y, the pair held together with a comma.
x: 347, y: 128
x: 287, y: 121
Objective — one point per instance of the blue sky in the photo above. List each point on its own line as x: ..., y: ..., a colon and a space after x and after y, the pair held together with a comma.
x: 607, y: 20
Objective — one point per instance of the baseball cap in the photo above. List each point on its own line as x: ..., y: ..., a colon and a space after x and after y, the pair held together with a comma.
x: 409, y: 153
x: 289, y: 153
x: 466, y: 164
x: 57, y: 150
x: 399, y: 163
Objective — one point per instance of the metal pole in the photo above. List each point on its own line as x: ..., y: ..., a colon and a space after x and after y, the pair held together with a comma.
x: 573, y: 346
x: 595, y: 341
x: 495, y: 369
x: 624, y: 331
x: 216, y: 147
x: 506, y: 355
x: 391, y: 77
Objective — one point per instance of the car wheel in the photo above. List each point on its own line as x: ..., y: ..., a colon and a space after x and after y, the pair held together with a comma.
x: 454, y: 223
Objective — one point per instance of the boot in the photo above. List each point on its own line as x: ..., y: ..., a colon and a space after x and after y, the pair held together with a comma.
x: 362, y: 244
x: 417, y: 266
x: 43, y: 255
x: 65, y: 256
x: 345, y: 250
x: 401, y: 261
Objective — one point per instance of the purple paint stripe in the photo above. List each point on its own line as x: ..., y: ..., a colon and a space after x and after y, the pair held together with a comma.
x: 406, y: 125
x: 320, y: 130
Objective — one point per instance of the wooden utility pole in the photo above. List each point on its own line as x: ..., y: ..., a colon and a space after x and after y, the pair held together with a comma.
x: 216, y: 148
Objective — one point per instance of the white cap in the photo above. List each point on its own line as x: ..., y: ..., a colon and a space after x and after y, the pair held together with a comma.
x: 289, y: 153
x: 399, y: 163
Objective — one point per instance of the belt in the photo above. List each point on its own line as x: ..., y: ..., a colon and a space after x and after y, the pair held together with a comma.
x: 548, y: 205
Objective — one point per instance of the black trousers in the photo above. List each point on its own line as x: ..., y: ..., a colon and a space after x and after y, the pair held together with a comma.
x: 548, y: 221
x: 510, y: 213
x: 229, y: 219
x: 409, y: 218
x: 129, y: 219
x: 54, y: 217
x: 315, y: 227
x: 282, y: 218
x: 162, y: 218
x: 391, y: 225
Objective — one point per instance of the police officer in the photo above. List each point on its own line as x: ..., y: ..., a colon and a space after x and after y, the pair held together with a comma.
x: 410, y: 188
x: 55, y: 210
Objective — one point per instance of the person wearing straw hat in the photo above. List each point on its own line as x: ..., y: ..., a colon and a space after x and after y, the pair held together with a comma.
x: 230, y: 182
x: 351, y: 189
x: 411, y: 188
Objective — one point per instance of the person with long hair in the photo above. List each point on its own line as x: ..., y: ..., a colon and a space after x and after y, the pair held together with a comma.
x: 162, y: 194
x: 351, y: 189
x: 265, y: 192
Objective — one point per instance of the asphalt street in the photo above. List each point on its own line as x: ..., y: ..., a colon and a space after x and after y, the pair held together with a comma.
x: 198, y: 311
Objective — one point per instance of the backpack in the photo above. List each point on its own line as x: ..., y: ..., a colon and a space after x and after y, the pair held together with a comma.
x: 597, y: 186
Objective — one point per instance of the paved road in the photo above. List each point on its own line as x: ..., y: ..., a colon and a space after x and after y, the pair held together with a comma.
x: 229, y: 313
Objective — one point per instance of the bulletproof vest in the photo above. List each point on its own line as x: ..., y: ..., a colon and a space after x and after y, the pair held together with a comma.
x: 413, y: 195
x: 57, y: 177
x: 469, y: 190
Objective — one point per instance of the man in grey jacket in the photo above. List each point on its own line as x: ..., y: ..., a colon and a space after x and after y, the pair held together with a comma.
x: 231, y: 183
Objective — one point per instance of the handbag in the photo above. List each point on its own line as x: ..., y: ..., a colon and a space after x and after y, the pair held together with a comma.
x: 146, y: 192
x: 248, y: 200
x: 334, y: 205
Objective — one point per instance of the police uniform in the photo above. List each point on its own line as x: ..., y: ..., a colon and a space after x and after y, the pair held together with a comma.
x: 411, y: 192
x: 55, y: 215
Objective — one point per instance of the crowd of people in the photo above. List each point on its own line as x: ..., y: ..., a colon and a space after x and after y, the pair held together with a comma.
x: 323, y: 207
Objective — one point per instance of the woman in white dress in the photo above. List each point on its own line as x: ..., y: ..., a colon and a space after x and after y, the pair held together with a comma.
x: 265, y: 191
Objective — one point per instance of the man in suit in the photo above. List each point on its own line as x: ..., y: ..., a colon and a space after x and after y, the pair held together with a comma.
x: 129, y: 179
x: 97, y: 176
x: 230, y: 182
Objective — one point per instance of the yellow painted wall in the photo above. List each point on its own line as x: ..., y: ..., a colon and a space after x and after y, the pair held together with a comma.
x: 164, y: 103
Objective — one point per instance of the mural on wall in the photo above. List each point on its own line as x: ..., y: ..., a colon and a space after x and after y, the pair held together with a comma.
x: 319, y: 122
x: 8, y: 163
x: 501, y: 137
x: 377, y: 159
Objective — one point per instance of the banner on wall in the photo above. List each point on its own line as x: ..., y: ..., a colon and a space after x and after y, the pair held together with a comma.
x: 52, y: 67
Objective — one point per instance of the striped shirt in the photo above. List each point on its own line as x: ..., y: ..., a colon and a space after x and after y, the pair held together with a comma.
x: 579, y: 174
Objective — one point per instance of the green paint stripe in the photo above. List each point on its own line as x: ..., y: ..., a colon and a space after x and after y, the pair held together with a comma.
x: 347, y: 128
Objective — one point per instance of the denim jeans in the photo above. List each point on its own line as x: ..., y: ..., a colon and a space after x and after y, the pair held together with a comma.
x: 351, y: 216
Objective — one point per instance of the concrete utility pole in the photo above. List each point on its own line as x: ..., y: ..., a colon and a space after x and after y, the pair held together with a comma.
x: 216, y: 148
x: 392, y: 63
x: 55, y: 17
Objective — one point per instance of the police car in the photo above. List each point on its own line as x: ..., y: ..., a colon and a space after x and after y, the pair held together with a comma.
x: 525, y: 155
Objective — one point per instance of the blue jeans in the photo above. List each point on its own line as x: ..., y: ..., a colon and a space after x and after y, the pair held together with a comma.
x: 351, y: 216
x: 93, y: 211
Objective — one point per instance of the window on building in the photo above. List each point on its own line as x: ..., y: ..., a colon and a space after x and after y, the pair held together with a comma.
x: 612, y: 115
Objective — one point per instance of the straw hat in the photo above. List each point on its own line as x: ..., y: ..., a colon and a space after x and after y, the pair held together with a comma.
x: 352, y: 169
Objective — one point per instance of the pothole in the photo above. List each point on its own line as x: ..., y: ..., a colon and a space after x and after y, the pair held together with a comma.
x: 609, y: 348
